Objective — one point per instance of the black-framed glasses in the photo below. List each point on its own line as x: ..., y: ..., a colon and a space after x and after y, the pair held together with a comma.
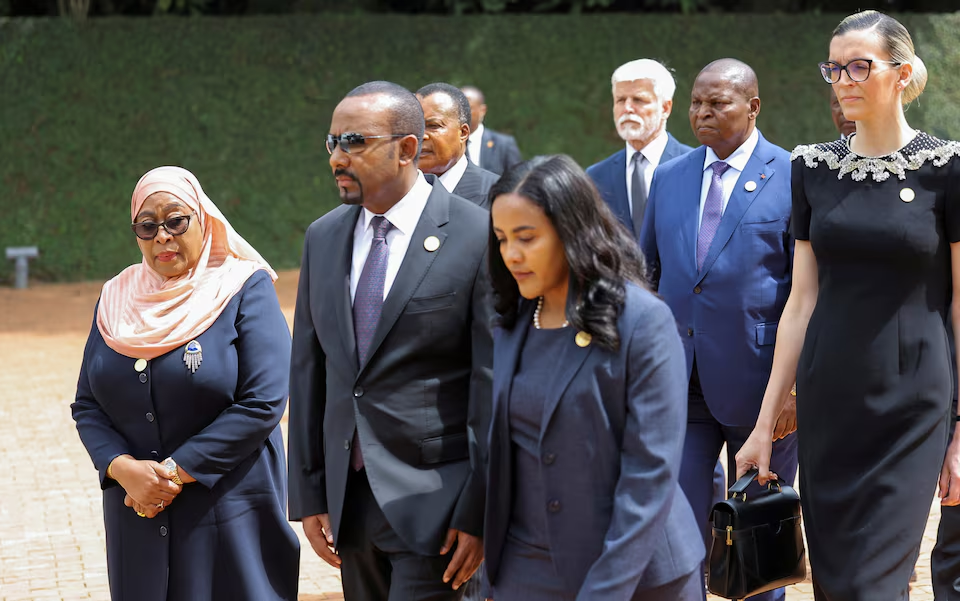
x: 857, y: 70
x: 175, y: 226
x: 351, y: 141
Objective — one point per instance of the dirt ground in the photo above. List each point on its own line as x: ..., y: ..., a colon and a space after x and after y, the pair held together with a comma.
x: 51, y: 523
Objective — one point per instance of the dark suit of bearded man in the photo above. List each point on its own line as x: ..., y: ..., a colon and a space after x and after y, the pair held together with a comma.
x: 390, y: 376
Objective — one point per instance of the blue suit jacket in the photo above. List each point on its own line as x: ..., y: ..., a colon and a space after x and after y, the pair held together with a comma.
x: 610, y: 177
x: 727, y: 313
x: 611, y: 442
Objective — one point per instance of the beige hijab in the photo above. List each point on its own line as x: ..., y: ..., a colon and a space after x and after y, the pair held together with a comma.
x: 143, y: 314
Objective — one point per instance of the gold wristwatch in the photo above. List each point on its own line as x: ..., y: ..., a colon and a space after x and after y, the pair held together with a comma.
x: 171, y: 465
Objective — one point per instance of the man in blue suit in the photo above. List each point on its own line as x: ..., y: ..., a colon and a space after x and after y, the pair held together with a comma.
x: 642, y: 102
x: 716, y: 237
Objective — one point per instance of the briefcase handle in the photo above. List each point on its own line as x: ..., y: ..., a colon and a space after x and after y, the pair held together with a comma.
x: 740, y: 486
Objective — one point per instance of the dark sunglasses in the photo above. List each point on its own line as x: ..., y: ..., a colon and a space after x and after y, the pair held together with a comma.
x: 351, y: 141
x: 857, y: 70
x: 175, y: 226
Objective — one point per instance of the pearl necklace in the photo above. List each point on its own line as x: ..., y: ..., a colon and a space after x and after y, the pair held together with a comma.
x: 536, y: 316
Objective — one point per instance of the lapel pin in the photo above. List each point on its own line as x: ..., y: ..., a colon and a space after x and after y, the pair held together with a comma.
x: 907, y: 195
x: 583, y: 339
x: 750, y: 186
x: 763, y: 176
x: 193, y: 356
x: 140, y: 365
x: 432, y: 243
x: 489, y: 143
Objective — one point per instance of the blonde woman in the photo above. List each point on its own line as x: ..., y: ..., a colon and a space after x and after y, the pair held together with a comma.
x: 877, y: 223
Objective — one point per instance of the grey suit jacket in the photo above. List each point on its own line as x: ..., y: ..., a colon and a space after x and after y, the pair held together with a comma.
x: 611, y: 440
x: 420, y: 401
x: 498, y: 151
x: 475, y: 185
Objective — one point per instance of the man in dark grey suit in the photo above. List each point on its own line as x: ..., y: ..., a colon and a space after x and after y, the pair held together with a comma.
x: 391, y: 366
x: 446, y: 113
x: 489, y: 149
x: 642, y: 101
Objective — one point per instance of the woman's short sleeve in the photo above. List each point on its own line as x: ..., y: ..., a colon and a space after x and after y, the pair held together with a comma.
x: 952, y: 201
x: 800, y: 219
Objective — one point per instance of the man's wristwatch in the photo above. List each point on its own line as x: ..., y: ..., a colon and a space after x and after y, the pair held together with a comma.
x: 171, y: 465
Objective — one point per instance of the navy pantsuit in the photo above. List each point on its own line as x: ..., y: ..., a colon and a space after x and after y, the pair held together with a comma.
x: 727, y: 311
x: 224, y: 537
x: 609, y: 449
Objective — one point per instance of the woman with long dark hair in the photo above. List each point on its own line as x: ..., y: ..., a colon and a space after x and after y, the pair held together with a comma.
x: 589, y: 405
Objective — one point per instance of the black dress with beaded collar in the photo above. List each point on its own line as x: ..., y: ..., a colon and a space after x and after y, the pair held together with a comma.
x: 874, y: 377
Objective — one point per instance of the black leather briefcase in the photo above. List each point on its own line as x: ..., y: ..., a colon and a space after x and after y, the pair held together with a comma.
x: 757, y: 544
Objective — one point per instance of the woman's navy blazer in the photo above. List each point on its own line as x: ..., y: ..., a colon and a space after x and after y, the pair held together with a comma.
x: 225, y: 536
x: 611, y: 441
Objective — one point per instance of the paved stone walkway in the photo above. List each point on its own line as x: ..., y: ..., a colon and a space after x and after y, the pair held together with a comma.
x: 51, y: 527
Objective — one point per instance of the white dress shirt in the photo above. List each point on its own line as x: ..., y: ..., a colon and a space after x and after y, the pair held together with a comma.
x: 653, y: 152
x: 475, y: 144
x: 452, y: 177
x: 737, y: 161
x: 404, y: 216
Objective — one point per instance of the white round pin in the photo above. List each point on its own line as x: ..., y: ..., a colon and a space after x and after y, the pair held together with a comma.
x: 431, y: 243
x: 750, y: 186
x: 907, y: 195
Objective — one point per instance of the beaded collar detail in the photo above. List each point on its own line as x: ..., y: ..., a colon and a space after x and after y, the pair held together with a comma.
x: 838, y: 157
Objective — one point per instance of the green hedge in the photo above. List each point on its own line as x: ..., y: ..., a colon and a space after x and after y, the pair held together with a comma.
x: 245, y: 103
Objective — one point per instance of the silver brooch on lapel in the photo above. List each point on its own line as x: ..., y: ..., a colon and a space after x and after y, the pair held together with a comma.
x: 193, y: 356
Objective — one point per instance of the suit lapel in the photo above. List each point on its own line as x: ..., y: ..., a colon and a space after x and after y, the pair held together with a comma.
x: 343, y: 239
x: 740, y: 201
x: 467, y: 185
x: 486, y: 149
x: 690, y: 205
x: 671, y: 151
x: 569, y: 362
x: 619, y: 187
x: 415, y: 263
x: 508, y: 356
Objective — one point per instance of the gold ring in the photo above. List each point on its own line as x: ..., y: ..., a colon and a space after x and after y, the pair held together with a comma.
x: 141, y: 514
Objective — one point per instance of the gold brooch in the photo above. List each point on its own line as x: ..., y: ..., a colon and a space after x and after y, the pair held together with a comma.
x: 583, y: 339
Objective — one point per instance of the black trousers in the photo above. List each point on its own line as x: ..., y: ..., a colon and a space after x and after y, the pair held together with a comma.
x: 376, y: 564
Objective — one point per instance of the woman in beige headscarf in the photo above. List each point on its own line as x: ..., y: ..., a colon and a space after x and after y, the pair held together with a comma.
x: 183, y: 383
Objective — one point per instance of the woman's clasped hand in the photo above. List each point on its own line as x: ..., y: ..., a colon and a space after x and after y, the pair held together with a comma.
x: 149, y: 486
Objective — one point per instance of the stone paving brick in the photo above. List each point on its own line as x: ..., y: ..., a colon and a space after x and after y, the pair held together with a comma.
x: 51, y: 523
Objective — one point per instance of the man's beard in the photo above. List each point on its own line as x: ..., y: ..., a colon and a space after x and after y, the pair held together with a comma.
x: 633, y: 127
x: 348, y: 198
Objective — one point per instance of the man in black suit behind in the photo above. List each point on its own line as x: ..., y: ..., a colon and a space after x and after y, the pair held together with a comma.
x: 446, y: 112
x: 488, y: 149
x: 391, y: 368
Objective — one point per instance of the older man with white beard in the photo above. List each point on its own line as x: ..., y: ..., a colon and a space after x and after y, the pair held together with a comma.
x: 642, y: 100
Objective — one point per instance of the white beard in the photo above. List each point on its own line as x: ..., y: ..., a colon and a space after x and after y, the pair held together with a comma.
x: 632, y: 127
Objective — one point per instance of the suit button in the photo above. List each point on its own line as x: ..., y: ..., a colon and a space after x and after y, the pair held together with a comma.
x: 697, y: 290
x: 143, y: 378
x: 549, y: 458
x: 553, y: 506
x: 163, y: 530
x: 154, y: 454
x: 150, y: 417
x: 689, y: 331
x: 346, y: 445
x: 358, y: 392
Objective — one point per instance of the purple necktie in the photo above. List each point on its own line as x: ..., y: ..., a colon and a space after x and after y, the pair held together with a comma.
x: 712, y: 211
x: 367, y: 305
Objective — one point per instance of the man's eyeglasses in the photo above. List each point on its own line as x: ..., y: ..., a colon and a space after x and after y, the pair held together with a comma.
x: 175, y: 226
x: 857, y: 70
x: 350, y: 141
